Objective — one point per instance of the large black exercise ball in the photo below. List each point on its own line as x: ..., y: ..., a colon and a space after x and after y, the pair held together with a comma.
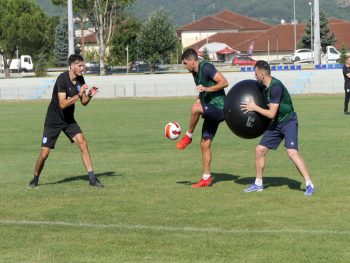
x: 251, y: 124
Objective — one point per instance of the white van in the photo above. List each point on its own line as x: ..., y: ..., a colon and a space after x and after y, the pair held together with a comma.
x: 332, y: 55
x: 23, y: 64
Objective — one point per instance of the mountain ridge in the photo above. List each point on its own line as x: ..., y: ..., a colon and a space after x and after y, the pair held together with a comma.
x: 268, y: 11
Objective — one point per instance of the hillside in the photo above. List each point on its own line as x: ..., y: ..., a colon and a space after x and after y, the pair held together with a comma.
x: 270, y: 11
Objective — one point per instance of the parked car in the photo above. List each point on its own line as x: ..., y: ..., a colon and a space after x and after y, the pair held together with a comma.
x: 243, y: 60
x: 301, y: 55
x: 94, y: 68
x: 332, y: 55
x: 139, y: 66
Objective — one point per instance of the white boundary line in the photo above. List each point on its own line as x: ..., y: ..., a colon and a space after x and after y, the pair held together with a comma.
x: 178, y: 229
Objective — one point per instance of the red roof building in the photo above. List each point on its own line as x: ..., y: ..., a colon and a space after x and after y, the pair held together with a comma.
x: 222, y: 22
x: 276, y: 41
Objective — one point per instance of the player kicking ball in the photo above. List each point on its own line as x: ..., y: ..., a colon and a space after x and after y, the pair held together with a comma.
x: 210, y: 84
x: 69, y: 88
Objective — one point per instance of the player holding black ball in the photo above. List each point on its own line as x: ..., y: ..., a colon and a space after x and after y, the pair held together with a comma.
x: 284, y: 126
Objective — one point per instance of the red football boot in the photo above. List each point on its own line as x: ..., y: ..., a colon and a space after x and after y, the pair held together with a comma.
x: 184, y: 142
x: 203, y: 183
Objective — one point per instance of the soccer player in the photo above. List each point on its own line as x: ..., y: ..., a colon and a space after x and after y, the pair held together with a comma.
x: 69, y: 88
x: 346, y: 74
x: 209, y: 104
x: 284, y: 126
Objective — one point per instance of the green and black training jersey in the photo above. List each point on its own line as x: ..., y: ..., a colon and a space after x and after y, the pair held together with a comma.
x: 277, y: 93
x: 205, y: 77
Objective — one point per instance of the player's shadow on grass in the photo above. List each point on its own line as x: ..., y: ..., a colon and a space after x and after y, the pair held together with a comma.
x: 272, y: 182
x: 217, y: 177
x: 83, y: 178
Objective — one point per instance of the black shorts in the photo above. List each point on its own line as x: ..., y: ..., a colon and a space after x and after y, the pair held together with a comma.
x: 51, y: 133
x: 212, y: 118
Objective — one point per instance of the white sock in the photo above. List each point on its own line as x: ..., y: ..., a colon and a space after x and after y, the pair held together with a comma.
x: 189, y: 134
x: 309, y: 183
x: 206, y: 176
x: 258, y: 182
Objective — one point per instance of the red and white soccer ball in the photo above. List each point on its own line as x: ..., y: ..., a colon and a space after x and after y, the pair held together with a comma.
x: 172, y: 130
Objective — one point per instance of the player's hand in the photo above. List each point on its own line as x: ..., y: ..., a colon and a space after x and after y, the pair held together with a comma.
x: 200, y: 88
x: 83, y: 89
x: 92, y: 91
x: 248, y: 105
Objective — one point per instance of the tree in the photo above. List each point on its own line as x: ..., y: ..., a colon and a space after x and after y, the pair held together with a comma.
x: 343, y: 54
x: 206, y: 55
x: 23, y: 26
x: 158, y: 37
x: 80, y: 17
x: 176, y: 54
x: 327, y: 39
x: 104, y: 15
x: 125, y: 36
x: 61, y: 42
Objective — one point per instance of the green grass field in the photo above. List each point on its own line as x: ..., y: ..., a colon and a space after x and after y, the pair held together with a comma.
x: 148, y: 211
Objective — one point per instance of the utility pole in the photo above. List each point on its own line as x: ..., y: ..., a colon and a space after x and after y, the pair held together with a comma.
x: 295, y: 29
x: 127, y: 59
x: 311, y: 36
x: 317, y: 34
x: 70, y: 28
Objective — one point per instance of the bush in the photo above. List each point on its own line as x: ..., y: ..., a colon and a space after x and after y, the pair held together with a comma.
x: 343, y: 54
x: 41, y: 66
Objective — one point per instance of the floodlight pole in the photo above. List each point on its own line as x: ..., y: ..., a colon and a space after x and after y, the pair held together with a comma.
x: 70, y: 28
x: 311, y: 36
x: 295, y: 29
x: 317, y: 37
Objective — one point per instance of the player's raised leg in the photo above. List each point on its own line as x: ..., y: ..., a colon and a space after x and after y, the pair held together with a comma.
x: 196, y: 112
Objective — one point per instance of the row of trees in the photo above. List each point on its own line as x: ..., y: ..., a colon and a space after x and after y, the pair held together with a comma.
x: 25, y: 27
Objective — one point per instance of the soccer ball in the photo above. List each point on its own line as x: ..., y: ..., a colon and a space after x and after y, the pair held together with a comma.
x: 172, y: 130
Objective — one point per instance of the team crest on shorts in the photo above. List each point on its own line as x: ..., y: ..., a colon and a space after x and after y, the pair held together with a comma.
x: 44, y: 140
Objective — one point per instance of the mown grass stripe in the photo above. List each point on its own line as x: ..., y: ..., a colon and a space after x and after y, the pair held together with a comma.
x: 179, y: 229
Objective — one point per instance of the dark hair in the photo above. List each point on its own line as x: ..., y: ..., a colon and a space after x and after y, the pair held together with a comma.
x: 190, y: 53
x: 74, y: 58
x: 263, y: 65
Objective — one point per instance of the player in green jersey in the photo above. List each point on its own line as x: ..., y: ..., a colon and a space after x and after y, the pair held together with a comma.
x: 284, y: 126
x: 209, y: 104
